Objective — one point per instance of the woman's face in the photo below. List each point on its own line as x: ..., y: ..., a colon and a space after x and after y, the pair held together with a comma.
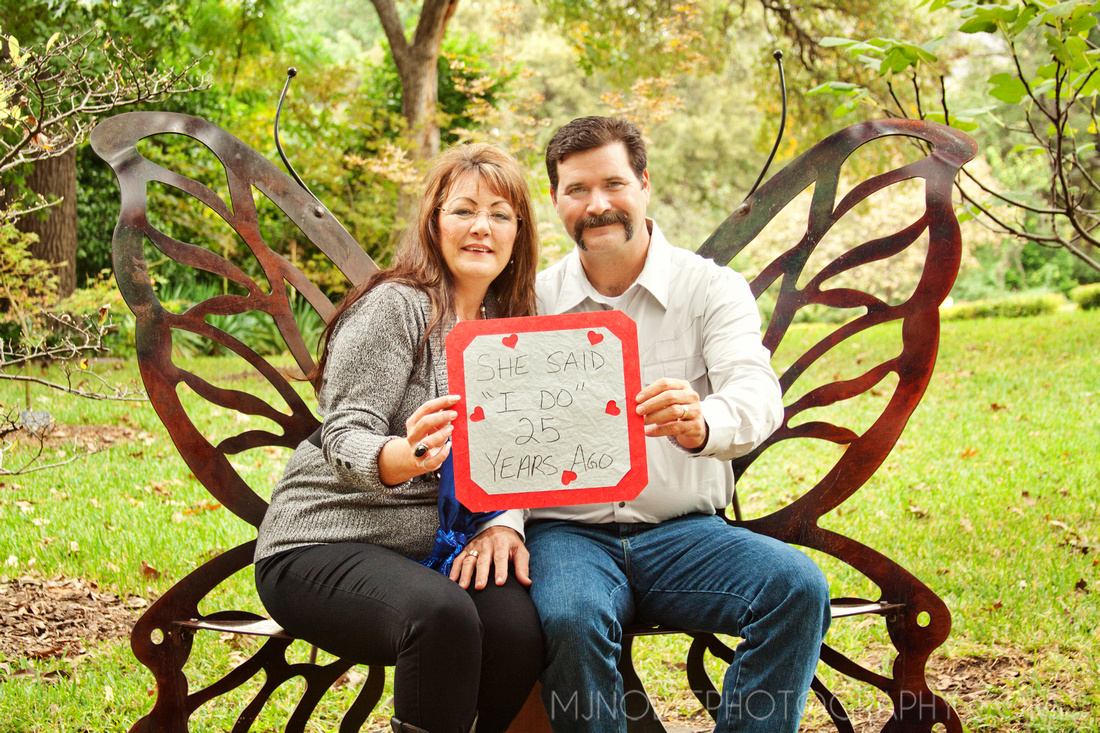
x: 477, y: 230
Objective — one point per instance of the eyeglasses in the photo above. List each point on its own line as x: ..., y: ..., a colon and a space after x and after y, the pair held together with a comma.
x: 495, y: 218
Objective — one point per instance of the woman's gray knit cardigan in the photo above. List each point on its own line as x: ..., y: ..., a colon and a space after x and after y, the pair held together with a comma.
x: 375, y: 378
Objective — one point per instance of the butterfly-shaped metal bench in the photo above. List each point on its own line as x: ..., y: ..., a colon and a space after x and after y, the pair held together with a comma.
x: 916, y: 619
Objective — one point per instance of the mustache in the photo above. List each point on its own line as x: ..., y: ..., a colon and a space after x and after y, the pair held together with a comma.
x: 602, y: 220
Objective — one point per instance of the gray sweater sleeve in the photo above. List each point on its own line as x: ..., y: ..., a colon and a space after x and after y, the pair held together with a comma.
x: 372, y: 360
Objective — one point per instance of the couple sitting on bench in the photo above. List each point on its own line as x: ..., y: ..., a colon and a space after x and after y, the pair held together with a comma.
x: 495, y: 601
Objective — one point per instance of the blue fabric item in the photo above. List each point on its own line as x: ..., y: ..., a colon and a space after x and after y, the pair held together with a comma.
x: 695, y: 572
x: 457, y: 524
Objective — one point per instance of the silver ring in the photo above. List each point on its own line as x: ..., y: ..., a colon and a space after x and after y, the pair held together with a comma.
x: 472, y: 553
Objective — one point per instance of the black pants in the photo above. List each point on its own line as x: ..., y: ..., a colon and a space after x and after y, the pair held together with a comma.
x: 456, y: 652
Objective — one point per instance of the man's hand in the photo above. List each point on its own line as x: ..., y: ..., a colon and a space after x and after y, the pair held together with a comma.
x: 492, y: 548
x: 671, y: 407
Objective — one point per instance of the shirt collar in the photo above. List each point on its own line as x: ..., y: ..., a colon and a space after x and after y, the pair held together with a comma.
x: 655, y: 276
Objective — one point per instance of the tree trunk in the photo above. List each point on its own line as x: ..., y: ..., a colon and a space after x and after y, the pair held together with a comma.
x: 55, y: 178
x: 419, y: 95
x: 416, y: 66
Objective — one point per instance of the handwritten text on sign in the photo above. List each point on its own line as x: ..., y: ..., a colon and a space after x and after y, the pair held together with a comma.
x: 548, y: 413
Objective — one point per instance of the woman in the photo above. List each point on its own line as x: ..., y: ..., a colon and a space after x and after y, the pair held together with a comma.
x: 336, y: 557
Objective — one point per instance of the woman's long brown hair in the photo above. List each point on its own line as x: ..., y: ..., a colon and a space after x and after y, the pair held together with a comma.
x: 419, y: 260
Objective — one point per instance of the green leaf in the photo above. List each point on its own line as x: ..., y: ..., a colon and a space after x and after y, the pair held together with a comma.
x: 1078, y: 49
x: 835, y: 87
x: 1047, y: 71
x: 898, y: 60
x: 1090, y: 88
x: 1057, y: 48
x: 971, y: 112
x: 833, y: 42
x: 17, y: 58
x: 1081, y: 25
x: 1026, y: 18
x: 1007, y: 88
x: 1022, y: 148
x: 956, y: 122
x: 978, y: 25
x: 1061, y: 10
x: 844, y: 109
x: 872, y: 62
x: 930, y: 47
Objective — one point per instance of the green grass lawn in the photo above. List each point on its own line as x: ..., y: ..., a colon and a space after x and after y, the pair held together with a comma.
x: 991, y: 498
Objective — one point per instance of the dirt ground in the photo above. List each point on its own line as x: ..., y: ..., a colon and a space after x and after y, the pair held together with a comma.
x: 43, y: 618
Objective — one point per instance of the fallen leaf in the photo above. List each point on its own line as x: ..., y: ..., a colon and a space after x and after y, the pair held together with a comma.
x: 1081, y: 586
x: 203, y: 508
x: 149, y: 571
x: 969, y: 453
x: 351, y: 678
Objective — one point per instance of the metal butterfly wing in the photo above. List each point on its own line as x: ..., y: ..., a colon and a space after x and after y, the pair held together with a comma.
x: 162, y: 637
x: 916, y: 618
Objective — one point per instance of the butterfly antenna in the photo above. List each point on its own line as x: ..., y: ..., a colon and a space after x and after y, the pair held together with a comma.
x: 778, y: 56
x: 290, y: 74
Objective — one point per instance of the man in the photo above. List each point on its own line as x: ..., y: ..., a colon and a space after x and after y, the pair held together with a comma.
x: 711, y: 395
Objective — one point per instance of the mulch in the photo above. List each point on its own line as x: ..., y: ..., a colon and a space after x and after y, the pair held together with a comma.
x: 86, y: 437
x: 46, y: 618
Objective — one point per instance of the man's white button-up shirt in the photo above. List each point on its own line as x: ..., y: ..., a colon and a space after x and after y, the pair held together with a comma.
x: 697, y: 322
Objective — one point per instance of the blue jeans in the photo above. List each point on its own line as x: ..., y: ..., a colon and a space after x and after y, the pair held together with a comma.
x: 695, y: 572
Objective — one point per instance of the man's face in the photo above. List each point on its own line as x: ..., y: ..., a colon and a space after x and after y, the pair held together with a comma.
x: 600, y: 201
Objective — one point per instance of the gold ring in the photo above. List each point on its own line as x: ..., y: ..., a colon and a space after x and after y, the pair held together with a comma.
x: 683, y: 412
x: 472, y: 553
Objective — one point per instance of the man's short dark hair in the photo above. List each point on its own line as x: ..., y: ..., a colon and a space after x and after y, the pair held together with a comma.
x: 589, y: 133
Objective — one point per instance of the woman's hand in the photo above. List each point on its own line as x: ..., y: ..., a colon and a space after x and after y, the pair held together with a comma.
x: 428, y: 432
x: 495, y: 546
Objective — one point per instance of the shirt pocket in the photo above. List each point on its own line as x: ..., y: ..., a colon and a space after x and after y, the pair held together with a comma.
x: 676, y: 358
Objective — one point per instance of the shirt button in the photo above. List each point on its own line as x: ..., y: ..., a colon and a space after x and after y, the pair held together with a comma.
x: 622, y: 503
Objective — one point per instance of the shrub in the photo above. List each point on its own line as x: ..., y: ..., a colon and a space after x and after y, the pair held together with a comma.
x: 1086, y: 297
x: 1016, y: 306
x: 87, y: 303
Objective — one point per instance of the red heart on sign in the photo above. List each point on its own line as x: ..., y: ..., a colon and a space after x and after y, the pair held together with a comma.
x: 612, y: 408
x: 594, y: 338
x: 478, y: 414
x: 567, y: 477
x: 510, y: 341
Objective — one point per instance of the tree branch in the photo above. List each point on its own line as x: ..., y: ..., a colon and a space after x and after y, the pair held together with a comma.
x: 394, y: 30
x: 67, y: 94
x: 119, y: 396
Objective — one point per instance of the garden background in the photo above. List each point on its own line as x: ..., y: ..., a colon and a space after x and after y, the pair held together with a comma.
x: 991, y: 497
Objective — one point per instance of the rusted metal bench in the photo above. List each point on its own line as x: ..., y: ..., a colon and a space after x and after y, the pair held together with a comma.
x: 916, y: 619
